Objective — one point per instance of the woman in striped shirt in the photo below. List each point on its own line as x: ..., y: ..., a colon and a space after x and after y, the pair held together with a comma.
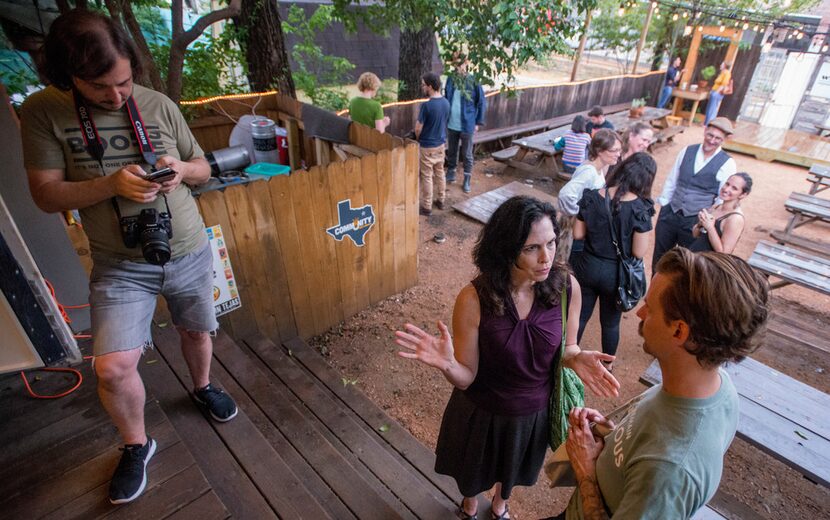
x: 575, y: 144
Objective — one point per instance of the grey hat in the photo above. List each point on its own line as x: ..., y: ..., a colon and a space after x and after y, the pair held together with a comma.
x: 723, y: 124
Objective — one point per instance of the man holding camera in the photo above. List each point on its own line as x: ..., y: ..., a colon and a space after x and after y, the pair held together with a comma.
x: 92, y: 141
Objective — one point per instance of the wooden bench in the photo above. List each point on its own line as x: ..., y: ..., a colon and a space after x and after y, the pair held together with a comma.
x: 506, y: 154
x: 495, y: 134
x: 666, y: 135
x: 791, y: 265
x: 819, y: 178
x: 806, y: 208
x: 779, y: 415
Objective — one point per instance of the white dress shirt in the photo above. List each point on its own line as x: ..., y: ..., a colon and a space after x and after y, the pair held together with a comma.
x: 586, y: 177
x: 727, y: 170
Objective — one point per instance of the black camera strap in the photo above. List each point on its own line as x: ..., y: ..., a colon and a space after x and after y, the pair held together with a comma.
x: 95, y: 147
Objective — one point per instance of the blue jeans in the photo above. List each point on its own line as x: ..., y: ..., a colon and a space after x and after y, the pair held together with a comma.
x: 665, y: 94
x: 123, y: 298
x: 712, y: 108
x: 454, y: 151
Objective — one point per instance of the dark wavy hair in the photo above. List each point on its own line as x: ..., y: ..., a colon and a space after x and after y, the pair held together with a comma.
x: 86, y: 44
x: 633, y: 175
x: 578, y: 125
x: 604, y: 139
x: 747, y: 181
x: 499, y: 245
x: 724, y: 301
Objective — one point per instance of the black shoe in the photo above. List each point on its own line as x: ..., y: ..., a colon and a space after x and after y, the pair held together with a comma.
x: 130, y: 477
x: 425, y: 212
x: 466, y: 186
x: 450, y: 178
x: 439, y: 204
x: 217, y: 402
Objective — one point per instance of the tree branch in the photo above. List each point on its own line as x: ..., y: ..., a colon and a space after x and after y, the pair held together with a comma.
x: 206, y: 21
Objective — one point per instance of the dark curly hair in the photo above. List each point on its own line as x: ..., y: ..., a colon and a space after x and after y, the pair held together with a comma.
x: 724, y: 301
x: 86, y: 44
x: 633, y: 175
x: 499, y: 245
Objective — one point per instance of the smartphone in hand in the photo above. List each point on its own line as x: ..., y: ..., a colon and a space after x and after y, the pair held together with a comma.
x: 160, y: 176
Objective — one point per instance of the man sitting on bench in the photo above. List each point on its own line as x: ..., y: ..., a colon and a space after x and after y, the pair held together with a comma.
x: 665, y: 457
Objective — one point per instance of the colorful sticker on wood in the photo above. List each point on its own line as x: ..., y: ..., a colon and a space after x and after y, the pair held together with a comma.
x: 353, y: 222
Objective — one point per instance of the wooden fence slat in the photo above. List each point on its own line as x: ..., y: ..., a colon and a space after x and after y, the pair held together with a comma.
x: 374, y: 238
x: 325, y: 216
x: 271, y: 255
x: 245, y: 232
x: 359, y: 255
x: 282, y: 189
x: 385, y: 217
x: 344, y: 249
x: 411, y: 177
x: 215, y: 211
x: 398, y: 202
x: 317, y: 279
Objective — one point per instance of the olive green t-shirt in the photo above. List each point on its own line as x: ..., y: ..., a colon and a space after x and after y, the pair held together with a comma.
x: 52, y: 140
x: 365, y: 110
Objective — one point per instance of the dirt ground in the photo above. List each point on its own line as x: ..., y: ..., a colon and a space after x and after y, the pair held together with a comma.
x: 363, y: 350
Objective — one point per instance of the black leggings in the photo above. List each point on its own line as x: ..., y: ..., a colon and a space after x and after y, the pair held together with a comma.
x: 598, y: 280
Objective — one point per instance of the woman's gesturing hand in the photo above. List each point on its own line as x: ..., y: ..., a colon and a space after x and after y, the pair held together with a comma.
x: 588, y: 366
x: 420, y: 345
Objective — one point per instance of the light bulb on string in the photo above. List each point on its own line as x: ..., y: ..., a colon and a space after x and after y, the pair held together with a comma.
x: 722, y: 28
x: 621, y: 11
x: 699, y: 28
x: 799, y: 36
x: 697, y: 14
x: 654, y: 5
x: 824, y: 48
x: 685, y: 14
x: 755, y: 28
x: 745, y: 26
x: 674, y: 17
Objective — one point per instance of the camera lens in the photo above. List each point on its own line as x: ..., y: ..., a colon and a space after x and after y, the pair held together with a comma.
x: 155, y: 246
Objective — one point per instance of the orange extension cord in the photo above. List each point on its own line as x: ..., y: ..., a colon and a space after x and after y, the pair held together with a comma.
x: 76, y: 373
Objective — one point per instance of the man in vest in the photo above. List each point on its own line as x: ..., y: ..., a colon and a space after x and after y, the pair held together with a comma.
x: 693, y: 184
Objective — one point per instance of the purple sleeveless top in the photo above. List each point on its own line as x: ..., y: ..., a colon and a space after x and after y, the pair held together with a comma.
x: 516, y: 358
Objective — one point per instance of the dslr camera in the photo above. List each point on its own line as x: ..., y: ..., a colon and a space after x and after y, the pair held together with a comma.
x: 152, y: 230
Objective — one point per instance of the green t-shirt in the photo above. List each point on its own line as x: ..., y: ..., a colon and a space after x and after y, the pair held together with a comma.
x: 52, y: 140
x: 665, y: 457
x: 365, y: 111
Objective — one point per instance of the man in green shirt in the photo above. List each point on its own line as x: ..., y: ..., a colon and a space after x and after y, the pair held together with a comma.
x: 665, y: 457
x: 89, y: 141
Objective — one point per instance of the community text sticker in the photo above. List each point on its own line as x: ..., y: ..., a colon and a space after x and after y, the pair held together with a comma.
x: 353, y: 222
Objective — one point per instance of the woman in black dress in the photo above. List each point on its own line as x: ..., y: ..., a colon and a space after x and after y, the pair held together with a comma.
x: 629, y: 189
x: 719, y: 228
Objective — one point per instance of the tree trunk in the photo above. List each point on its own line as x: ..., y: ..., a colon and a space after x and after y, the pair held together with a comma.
x: 414, y: 60
x: 264, y: 44
x: 122, y: 10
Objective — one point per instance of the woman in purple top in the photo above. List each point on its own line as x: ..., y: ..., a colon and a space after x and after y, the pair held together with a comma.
x: 507, y: 327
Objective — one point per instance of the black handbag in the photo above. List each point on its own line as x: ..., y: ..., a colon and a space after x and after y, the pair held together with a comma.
x: 631, y: 272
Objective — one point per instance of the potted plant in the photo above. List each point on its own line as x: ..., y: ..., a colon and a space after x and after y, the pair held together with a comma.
x: 707, y: 73
x: 638, y: 106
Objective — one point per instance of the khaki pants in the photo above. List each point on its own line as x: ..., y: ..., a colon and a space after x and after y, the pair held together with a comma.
x: 432, y: 166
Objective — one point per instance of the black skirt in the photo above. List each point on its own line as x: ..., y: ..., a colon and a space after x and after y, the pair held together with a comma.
x: 478, y: 448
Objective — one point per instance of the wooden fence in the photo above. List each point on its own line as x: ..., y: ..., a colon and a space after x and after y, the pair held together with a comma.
x: 526, y: 104
x: 295, y: 279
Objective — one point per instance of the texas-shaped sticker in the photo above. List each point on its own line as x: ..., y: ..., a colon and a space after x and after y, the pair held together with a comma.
x: 353, y: 222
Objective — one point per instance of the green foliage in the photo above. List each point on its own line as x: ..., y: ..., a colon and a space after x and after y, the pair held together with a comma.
x: 499, y: 36
x: 16, y: 73
x: 638, y: 102
x: 317, y: 74
x: 388, y: 91
x: 708, y: 73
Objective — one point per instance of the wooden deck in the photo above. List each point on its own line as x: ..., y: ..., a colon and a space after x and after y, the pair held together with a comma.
x: 778, y: 144
x: 304, y: 445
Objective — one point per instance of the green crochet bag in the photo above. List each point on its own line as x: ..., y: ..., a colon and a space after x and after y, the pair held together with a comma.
x: 568, y: 390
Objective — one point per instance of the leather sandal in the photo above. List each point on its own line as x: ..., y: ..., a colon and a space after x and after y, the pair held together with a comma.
x: 463, y: 515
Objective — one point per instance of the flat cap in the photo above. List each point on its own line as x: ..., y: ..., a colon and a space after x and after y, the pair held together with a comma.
x: 723, y: 124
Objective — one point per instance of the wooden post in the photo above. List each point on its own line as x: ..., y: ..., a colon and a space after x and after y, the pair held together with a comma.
x: 581, y: 44
x: 643, y: 38
x: 294, y: 158
x: 691, y: 59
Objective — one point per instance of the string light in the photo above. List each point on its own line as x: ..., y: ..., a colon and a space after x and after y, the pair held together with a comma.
x: 674, y: 17
x: 722, y: 28
x: 824, y: 48
x: 654, y: 5
x: 699, y: 28
x: 685, y: 14
x: 755, y: 28
x: 204, y: 101
x: 621, y: 11
x: 745, y: 26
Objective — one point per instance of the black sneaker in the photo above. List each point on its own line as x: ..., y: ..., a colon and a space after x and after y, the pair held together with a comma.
x: 218, y: 403
x: 130, y: 477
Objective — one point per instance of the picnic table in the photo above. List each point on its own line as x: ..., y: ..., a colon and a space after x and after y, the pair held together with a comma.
x: 779, y: 415
x: 537, y: 155
x: 792, y: 265
x: 696, y: 96
x: 622, y: 120
x: 819, y: 178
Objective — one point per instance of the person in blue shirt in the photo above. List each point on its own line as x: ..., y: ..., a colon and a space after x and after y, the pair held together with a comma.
x: 431, y: 132
x: 597, y: 121
x: 467, y: 106
x: 672, y: 75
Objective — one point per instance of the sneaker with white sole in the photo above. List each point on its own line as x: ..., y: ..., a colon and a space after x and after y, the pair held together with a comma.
x: 130, y: 477
x: 217, y: 402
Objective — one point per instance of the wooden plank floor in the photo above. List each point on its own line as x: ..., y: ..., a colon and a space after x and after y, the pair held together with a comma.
x: 481, y: 207
x: 779, y: 144
x: 303, y: 445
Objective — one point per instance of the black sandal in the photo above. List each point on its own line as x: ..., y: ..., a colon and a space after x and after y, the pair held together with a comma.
x: 503, y: 515
x: 463, y: 515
